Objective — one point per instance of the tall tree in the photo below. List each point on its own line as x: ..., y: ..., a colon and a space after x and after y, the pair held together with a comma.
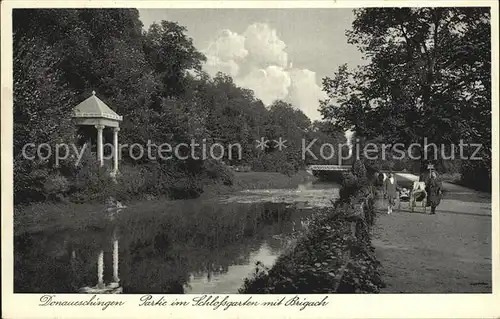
x: 171, y: 53
x: 428, y: 75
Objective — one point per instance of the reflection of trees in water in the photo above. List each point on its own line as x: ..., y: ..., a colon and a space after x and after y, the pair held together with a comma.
x: 56, y: 262
x: 152, y: 275
x: 156, y: 254
x: 217, y: 261
x: 206, y: 245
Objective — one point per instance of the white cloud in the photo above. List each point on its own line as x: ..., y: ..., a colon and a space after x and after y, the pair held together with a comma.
x: 264, y: 46
x: 269, y: 84
x: 228, y: 46
x: 215, y: 64
x: 257, y: 60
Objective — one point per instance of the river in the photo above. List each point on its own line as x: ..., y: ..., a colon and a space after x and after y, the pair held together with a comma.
x: 191, y: 246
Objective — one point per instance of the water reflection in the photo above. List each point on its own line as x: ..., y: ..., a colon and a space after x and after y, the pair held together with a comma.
x: 180, y: 247
x: 172, y: 253
x: 112, y: 287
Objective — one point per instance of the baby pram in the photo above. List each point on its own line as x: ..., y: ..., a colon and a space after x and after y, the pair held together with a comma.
x: 417, y: 194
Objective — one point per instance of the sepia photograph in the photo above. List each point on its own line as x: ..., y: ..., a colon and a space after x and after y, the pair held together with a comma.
x: 252, y: 151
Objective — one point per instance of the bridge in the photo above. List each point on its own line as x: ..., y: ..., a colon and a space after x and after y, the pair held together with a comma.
x: 337, y: 168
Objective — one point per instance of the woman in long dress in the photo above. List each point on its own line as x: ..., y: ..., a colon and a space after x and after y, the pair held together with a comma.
x: 390, y: 192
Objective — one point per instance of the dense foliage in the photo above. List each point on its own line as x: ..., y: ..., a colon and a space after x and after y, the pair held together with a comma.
x: 428, y: 75
x: 154, y: 79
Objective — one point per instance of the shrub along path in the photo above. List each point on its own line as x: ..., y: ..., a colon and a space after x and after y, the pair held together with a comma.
x: 446, y: 252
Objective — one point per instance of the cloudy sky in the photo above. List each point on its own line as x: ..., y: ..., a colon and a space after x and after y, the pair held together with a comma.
x: 278, y: 53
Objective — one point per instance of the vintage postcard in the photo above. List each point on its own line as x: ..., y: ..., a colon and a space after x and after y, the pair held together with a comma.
x: 245, y: 159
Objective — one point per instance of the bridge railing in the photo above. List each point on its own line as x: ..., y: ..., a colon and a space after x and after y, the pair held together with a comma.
x: 318, y: 167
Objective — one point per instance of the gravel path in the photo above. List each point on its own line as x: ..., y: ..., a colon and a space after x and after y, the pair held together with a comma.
x: 449, y: 252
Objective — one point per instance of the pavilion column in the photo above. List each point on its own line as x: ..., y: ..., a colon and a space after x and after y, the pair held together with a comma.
x: 115, y: 260
x: 100, y: 147
x: 115, y: 149
x: 100, y: 270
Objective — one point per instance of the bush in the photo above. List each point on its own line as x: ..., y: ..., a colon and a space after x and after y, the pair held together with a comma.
x: 275, y: 162
x: 29, y: 182
x: 92, y: 183
x: 477, y: 175
x: 350, y: 186
x: 56, y: 187
x: 215, y: 170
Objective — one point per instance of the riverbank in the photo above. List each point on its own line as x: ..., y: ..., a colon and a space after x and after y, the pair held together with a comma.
x: 334, y: 254
x: 49, y: 215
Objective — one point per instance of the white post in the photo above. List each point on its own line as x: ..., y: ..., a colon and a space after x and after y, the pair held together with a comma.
x: 115, y: 149
x: 100, y: 150
x: 100, y: 270
x: 115, y: 260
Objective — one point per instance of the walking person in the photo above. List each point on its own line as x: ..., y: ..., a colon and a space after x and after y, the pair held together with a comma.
x: 390, y: 191
x: 434, y: 191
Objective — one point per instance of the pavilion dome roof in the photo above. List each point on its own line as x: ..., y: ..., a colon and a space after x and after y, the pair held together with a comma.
x: 95, y: 108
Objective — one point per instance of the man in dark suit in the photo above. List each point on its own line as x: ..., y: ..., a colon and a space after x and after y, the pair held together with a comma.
x: 434, y: 191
